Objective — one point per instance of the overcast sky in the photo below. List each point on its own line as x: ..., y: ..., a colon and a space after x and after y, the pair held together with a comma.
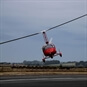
x: 23, y: 17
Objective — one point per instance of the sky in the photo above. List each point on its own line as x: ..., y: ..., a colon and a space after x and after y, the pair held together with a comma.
x: 23, y: 17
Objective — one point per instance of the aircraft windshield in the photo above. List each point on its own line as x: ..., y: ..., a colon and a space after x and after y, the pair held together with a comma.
x: 48, y: 46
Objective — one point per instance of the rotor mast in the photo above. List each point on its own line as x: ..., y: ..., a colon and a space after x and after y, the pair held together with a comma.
x: 45, y: 37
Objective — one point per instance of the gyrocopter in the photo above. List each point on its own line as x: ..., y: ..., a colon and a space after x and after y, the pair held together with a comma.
x: 49, y: 49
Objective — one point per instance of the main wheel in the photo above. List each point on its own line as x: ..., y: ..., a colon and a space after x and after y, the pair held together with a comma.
x: 43, y: 60
x: 60, y: 54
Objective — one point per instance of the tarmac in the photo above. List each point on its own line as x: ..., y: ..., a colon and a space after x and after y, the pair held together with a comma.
x: 44, y: 81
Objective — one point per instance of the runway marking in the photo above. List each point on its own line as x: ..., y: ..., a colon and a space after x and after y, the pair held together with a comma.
x: 44, y: 79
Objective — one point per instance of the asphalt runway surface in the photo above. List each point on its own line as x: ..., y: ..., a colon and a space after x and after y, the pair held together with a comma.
x: 44, y: 81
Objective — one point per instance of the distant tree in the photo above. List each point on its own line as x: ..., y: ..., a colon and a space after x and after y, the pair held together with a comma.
x: 26, y: 62
x: 81, y: 64
x: 52, y: 62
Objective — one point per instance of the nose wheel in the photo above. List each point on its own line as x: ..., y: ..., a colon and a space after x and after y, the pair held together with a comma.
x: 43, y: 60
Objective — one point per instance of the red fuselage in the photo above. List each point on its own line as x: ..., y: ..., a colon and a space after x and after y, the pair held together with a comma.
x: 49, y: 50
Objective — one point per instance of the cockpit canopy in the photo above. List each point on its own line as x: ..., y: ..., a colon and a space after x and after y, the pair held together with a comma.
x: 48, y: 46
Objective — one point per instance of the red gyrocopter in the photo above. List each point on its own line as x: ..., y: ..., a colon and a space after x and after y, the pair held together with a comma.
x: 49, y: 49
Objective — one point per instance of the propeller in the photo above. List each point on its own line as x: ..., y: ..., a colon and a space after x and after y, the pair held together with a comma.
x: 50, y: 40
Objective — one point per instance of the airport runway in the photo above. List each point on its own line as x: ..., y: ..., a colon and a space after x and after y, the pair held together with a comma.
x: 44, y: 81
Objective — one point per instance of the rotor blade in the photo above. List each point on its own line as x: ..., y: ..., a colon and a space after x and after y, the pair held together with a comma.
x: 66, y: 22
x: 50, y: 40
x: 46, y: 30
x: 19, y: 38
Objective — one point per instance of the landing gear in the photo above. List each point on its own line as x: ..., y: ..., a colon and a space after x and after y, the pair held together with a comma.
x: 46, y: 57
x: 60, y: 54
x: 43, y: 60
x: 51, y: 56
